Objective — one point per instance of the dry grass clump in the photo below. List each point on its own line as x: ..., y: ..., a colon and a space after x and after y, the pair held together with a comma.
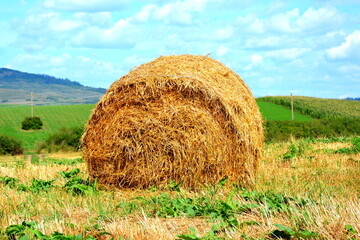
x: 184, y: 118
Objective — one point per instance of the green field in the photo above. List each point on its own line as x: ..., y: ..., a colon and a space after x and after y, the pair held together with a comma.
x: 56, y: 117
x: 273, y: 112
x: 321, y: 108
x: 53, y: 117
x: 305, y: 188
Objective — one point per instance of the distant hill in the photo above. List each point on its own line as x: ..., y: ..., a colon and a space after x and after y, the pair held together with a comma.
x: 15, y: 87
x: 354, y: 99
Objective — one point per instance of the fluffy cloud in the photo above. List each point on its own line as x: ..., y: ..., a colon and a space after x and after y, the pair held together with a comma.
x: 177, y: 12
x: 269, y: 43
x: 39, y: 31
x: 312, y: 21
x: 350, y: 49
x: 256, y: 61
x: 222, y: 50
x: 287, y: 54
x: 88, y: 71
x: 121, y: 35
x: 283, y: 22
x: 135, y: 60
x: 224, y: 33
x: 264, y: 43
x: 36, y: 24
x: 100, y: 19
x: 319, y: 20
x: 85, y: 5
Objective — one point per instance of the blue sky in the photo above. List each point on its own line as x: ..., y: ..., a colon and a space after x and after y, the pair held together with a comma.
x: 309, y: 48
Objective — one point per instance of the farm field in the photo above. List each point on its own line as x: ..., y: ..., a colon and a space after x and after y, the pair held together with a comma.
x: 53, y: 117
x: 305, y: 189
x: 56, y: 117
x: 318, y: 107
x: 273, y: 112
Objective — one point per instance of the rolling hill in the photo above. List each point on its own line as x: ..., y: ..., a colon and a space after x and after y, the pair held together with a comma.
x: 15, y: 87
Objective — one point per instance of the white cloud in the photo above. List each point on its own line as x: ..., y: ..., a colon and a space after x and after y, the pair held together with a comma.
x: 40, y: 24
x: 272, y: 45
x: 263, y: 42
x: 266, y: 82
x: 38, y: 61
x: 257, y: 26
x: 172, y: 13
x: 65, y: 25
x: 101, y: 19
x: 6, y: 35
x: 135, y: 60
x: 177, y: 12
x: 85, y: 5
x: 222, y: 50
x: 224, y: 33
x: 347, y: 50
x: 312, y: 21
x: 256, y: 61
x: 283, y: 22
x: 350, y: 68
x: 287, y: 54
x: 88, y: 71
x: 323, y: 18
x: 145, y: 13
x: 122, y: 35
x: 275, y: 6
x: 39, y: 31
x: 250, y: 23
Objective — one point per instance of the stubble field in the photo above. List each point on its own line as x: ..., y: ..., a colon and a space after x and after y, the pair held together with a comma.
x: 305, y: 189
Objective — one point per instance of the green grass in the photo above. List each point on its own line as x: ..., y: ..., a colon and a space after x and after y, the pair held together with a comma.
x: 56, y: 117
x: 53, y: 117
x: 321, y: 108
x: 273, y: 112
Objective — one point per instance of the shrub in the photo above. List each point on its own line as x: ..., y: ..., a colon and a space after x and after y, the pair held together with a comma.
x: 283, y: 130
x: 9, y: 145
x: 66, y: 139
x: 31, y: 123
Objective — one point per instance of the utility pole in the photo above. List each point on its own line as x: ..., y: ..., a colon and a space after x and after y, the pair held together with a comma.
x: 292, y: 107
x: 32, y: 103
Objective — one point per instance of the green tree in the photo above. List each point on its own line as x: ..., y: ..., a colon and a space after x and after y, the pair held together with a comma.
x: 31, y: 123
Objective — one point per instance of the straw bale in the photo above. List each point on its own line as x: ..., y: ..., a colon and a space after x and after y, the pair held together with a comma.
x: 184, y: 118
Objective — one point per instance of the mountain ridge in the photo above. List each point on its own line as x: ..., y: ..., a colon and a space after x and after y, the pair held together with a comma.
x: 15, y: 88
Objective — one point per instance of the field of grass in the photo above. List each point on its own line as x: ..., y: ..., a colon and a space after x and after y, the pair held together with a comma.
x: 273, y: 112
x: 56, y: 117
x: 304, y: 190
x: 53, y: 118
x: 318, y: 107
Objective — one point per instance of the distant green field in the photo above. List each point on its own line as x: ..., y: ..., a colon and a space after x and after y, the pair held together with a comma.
x: 273, y: 112
x: 53, y: 117
x: 56, y: 117
x: 320, y: 108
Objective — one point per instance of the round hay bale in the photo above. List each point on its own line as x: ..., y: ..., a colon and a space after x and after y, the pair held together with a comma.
x: 184, y: 118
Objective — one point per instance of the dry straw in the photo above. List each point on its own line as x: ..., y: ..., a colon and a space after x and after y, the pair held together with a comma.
x: 184, y: 118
